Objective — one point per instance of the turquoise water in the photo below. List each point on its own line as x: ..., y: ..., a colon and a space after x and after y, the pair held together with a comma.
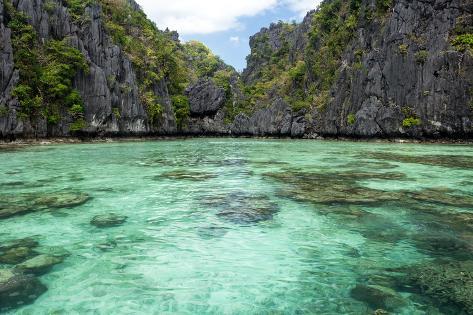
x: 225, y: 226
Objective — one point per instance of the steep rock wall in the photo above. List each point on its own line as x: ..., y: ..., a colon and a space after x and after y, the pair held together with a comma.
x: 110, y: 83
x: 398, y: 76
x: 409, y: 69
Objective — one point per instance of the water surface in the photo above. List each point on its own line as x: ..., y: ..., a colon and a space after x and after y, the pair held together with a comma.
x: 224, y: 226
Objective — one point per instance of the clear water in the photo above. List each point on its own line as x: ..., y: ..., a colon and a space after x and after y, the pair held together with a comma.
x: 178, y: 254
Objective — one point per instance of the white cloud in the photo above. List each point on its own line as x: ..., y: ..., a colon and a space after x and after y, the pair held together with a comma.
x: 235, y: 40
x: 301, y: 7
x: 203, y: 16
x: 210, y: 16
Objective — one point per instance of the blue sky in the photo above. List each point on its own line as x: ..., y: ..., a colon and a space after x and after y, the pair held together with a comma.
x: 224, y: 25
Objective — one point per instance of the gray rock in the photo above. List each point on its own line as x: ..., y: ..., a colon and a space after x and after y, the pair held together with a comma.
x: 108, y: 220
x: 276, y: 120
x: 386, y: 83
x: 14, y: 205
x: 16, y: 255
x: 17, y: 251
x: 378, y: 91
x: 23, y: 242
x: 40, y: 264
x: 205, y: 98
x: 17, y: 289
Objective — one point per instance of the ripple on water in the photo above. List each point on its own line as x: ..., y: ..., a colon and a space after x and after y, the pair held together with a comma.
x: 237, y: 227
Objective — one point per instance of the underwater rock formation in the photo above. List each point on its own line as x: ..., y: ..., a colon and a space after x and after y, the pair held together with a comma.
x: 108, y: 220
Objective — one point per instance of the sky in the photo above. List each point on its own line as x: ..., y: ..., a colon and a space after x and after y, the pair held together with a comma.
x: 224, y: 25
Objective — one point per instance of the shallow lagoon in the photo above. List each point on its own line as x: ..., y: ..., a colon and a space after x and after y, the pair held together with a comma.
x: 225, y: 226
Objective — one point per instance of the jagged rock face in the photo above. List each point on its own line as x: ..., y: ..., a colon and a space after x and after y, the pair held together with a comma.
x: 109, y: 85
x: 435, y: 89
x: 428, y: 79
x: 276, y: 120
x: 431, y: 81
x: 269, y: 40
x: 205, y: 98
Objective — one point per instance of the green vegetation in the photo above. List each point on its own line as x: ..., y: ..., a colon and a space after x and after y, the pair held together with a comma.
x: 76, y: 7
x: 3, y: 111
x: 304, y: 78
x: 47, y: 69
x: 382, y: 6
x: 351, y: 119
x: 181, y: 108
x: 201, y: 60
x: 46, y: 72
x: 333, y: 28
x: 155, y: 109
x: 422, y: 56
x: 463, y: 42
x: 49, y: 6
x: 411, y: 118
x: 403, y: 49
x: 161, y: 63
x: 78, y: 125
x: 156, y: 57
x: 411, y: 122
x: 116, y: 113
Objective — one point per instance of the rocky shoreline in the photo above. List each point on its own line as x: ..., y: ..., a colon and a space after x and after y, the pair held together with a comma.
x: 76, y: 140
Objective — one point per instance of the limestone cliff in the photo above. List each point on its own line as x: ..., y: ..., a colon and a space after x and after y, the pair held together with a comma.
x: 358, y: 68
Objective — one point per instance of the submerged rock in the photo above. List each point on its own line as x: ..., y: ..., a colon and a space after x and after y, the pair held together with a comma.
x: 449, y: 285
x: 443, y: 196
x: 40, y: 264
x: 444, y: 245
x: 16, y: 255
x: 17, y: 289
x: 13, y: 205
x: 62, y: 200
x: 450, y: 161
x: 242, y: 208
x: 247, y: 209
x: 335, y: 187
x: 186, y: 175
x: 108, y: 220
x: 16, y: 251
x: 378, y: 297
x: 55, y: 251
x: 23, y: 242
